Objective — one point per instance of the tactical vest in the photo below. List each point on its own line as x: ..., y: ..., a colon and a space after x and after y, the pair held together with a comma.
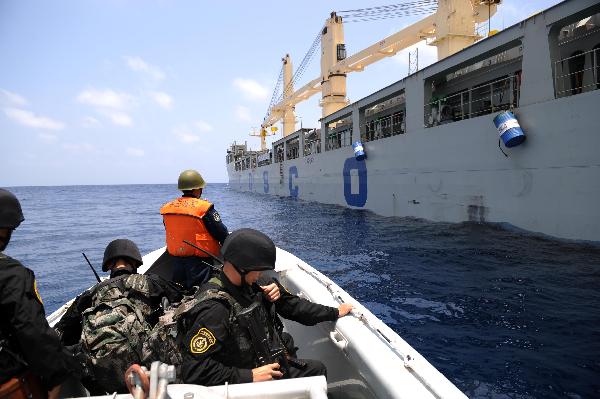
x: 183, y: 221
x: 115, y: 327
x: 241, y: 353
x: 11, y: 360
x: 164, y: 342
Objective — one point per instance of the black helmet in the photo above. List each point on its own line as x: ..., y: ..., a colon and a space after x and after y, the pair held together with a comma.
x: 11, y: 214
x: 121, y: 248
x: 249, y: 250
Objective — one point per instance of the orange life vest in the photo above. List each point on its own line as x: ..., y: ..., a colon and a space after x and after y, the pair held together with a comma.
x: 183, y: 221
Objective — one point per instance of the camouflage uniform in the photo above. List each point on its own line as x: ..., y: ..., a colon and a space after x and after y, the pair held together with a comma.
x: 109, y: 324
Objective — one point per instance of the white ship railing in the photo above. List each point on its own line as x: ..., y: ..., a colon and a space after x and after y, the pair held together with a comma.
x: 389, y: 125
x: 501, y: 94
x: 563, y: 76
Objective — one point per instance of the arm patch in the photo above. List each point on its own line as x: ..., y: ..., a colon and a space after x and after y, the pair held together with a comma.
x: 37, y: 294
x: 202, y: 341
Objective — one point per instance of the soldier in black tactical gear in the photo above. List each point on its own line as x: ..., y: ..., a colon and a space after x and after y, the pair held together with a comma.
x: 109, y: 322
x: 219, y: 345
x: 33, y: 362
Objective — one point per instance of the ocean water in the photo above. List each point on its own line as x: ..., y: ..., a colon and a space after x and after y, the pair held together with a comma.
x: 501, y: 313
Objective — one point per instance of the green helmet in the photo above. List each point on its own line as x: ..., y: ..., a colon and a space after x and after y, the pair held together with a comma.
x: 190, y: 180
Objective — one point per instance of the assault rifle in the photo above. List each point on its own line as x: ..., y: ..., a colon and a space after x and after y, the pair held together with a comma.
x: 250, y: 319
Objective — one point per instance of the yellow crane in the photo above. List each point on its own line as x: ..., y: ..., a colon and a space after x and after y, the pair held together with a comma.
x: 451, y: 28
x: 263, y: 133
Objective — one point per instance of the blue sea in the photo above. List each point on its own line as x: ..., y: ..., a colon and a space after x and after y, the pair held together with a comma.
x: 501, y: 313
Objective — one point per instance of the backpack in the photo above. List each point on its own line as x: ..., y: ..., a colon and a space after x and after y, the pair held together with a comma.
x: 115, y: 327
x: 163, y: 343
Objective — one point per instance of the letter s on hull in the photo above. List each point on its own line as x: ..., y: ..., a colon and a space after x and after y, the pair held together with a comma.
x: 293, y: 189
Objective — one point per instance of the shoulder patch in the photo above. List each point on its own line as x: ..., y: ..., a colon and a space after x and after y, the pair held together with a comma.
x: 203, y: 340
x: 216, y: 216
x: 37, y: 294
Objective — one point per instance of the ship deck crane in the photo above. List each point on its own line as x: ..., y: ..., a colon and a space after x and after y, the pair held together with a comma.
x: 451, y: 28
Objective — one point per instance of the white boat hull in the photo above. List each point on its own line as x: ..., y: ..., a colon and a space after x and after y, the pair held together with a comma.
x: 364, y: 357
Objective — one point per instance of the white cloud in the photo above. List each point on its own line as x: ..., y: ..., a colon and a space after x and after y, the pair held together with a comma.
x: 203, y: 126
x: 29, y: 119
x: 10, y: 98
x: 78, y: 147
x: 47, y: 137
x: 106, y: 98
x: 251, y: 89
x: 243, y: 113
x: 137, y: 64
x: 135, y: 152
x: 162, y: 99
x: 117, y: 117
x: 185, y: 135
x: 90, y: 121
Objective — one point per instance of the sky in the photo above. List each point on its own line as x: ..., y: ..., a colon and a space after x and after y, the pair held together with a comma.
x: 135, y: 91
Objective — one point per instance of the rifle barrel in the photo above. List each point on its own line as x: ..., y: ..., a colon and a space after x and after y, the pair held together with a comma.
x: 206, y: 252
x: 91, y: 267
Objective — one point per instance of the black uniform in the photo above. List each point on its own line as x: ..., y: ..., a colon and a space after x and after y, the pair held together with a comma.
x: 214, y: 225
x: 26, y: 339
x: 212, y: 356
x: 70, y: 325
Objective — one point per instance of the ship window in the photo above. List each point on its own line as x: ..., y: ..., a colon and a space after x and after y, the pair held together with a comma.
x: 384, y: 118
x: 341, y: 51
x: 339, y: 133
x: 596, y: 64
x: 312, y: 141
x: 576, y: 67
x: 292, y: 148
x: 488, y: 84
x: 264, y: 158
x: 279, y: 152
x: 575, y: 53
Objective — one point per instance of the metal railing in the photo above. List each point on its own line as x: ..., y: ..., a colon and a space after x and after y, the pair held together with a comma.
x: 312, y: 147
x: 585, y: 77
x: 339, y: 138
x: 292, y: 152
x: 386, y: 126
x: 278, y: 153
x: 501, y: 94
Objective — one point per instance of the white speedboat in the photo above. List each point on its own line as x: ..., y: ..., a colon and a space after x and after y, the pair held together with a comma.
x: 364, y: 357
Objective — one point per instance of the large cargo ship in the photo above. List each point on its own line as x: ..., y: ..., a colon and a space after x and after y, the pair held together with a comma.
x: 430, y: 141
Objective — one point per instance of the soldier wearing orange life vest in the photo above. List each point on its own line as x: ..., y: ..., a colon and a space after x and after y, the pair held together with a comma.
x: 192, y: 219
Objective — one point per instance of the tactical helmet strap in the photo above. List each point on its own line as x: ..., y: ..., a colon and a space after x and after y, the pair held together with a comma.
x: 242, y: 273
x: 4, y: 241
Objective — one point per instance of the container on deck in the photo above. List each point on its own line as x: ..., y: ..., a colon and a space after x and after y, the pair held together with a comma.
x: 359, y: 151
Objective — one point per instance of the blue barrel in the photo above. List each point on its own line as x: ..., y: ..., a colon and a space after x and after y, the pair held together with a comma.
x: 509, y: 129
x: 359, y: 151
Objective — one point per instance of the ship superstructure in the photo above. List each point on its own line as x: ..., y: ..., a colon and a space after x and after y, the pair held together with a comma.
x: 431, y: 145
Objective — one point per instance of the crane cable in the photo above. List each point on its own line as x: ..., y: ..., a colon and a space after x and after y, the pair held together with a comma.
x: 306, y: 60
x: 275, y: 94
x: 389, y: 11
x: 357, y: 15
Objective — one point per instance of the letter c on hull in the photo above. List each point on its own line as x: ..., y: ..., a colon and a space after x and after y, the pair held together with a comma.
x: 359, y: 199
